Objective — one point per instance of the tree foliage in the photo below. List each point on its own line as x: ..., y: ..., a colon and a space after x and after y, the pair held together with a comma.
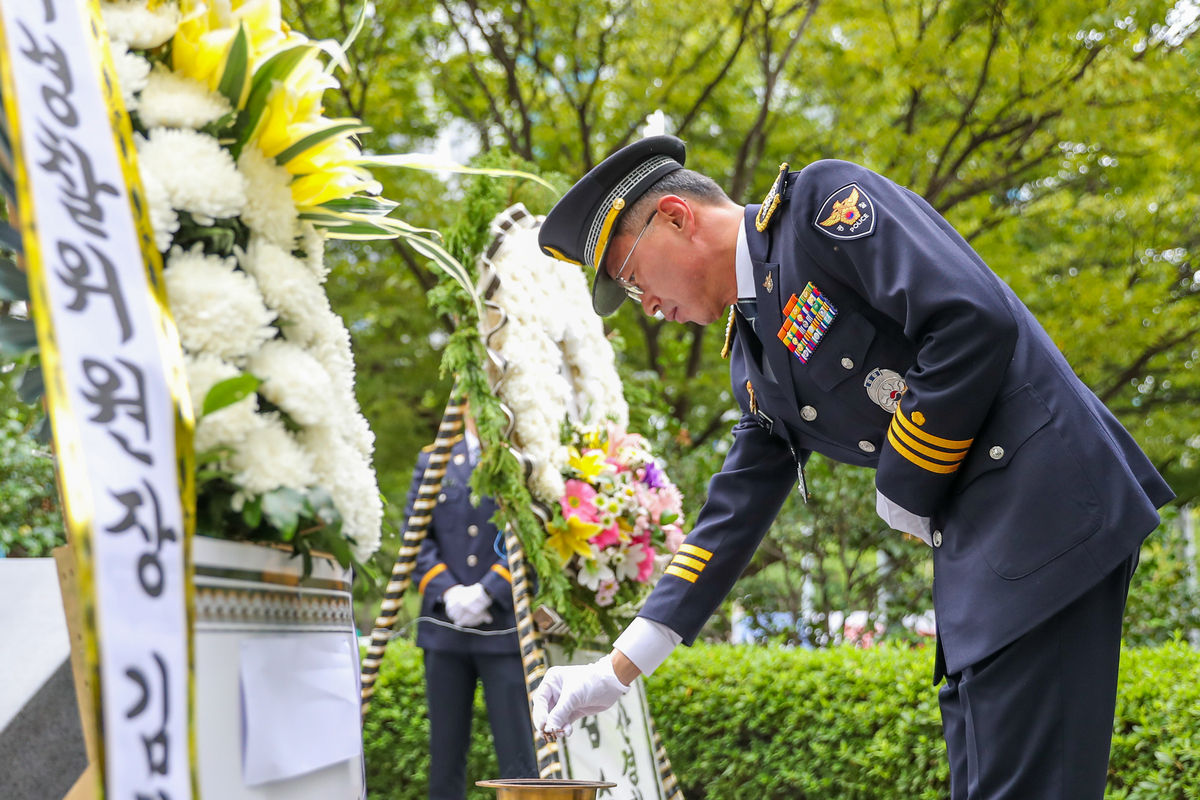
x: 1058, y: 136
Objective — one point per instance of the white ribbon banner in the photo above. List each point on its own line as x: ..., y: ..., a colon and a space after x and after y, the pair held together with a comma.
x: 107, y: 351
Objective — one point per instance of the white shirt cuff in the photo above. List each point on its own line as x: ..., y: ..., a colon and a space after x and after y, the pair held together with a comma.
x: 899, y: 519
x: 647, y: 643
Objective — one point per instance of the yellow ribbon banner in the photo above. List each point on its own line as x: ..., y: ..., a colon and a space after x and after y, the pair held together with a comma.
x: 115, y: 387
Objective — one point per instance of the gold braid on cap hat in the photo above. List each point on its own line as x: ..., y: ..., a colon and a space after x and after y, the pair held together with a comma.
x: 612, y: 206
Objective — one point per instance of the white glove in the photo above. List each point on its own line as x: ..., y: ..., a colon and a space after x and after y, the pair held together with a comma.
x: 467, y: 606
x: 568, y: 694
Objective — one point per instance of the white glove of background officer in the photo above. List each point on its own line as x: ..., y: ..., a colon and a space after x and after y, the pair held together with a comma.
x: 568, y: 694
x: 467, y: 606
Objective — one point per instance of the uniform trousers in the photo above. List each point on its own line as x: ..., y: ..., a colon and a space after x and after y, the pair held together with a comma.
x: 450, y: 680
x: 1034, y: 720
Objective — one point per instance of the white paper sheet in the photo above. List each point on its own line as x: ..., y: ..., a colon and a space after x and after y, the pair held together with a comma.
x: 300, y: 705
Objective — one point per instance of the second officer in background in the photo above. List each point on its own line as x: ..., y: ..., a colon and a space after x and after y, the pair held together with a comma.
x: 468, y: 629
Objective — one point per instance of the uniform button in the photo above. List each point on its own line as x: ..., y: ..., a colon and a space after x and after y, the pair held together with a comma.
x: 472, y: 560
x: 472, y: 530
x: 460, y: 459
x: 866, y: 446
x: 809, y: 413
x: 442, y: 497
x: 847, y: 363
x: 937, y: 538
x: 996, y: 452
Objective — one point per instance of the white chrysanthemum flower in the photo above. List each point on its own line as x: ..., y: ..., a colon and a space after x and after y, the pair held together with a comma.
x: 173, y: 100
x: 133, y: 23
x: 331, y: 346
x: 560, y: 363
x: 163, y: 218
x: 289, y: 287
x: 218, y: 309
x: 270, y: 210
x: 295, y: 382
x: 132, y: 70
x: 269, y: 458
x: 198, y: 174
x: 349, y: 478
x: 312, y: 241
x: 228, y: 426
x: 358, y: 432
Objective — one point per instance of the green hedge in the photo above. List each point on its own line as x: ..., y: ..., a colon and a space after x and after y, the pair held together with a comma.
x: 751, y: 723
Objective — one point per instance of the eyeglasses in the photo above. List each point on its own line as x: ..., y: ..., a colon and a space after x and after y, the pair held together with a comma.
x: 632, y: 290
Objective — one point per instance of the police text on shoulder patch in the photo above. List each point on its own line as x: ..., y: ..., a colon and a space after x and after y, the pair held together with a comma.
x: 847, y: 214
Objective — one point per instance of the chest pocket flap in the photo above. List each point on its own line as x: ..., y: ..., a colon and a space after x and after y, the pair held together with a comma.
x: 845, y: 343
x: 1016, y: 417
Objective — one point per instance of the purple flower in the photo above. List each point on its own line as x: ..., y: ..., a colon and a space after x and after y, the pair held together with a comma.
x: 653, y: 477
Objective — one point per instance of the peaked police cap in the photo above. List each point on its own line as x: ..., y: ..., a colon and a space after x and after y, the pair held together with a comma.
x: 579, y: 227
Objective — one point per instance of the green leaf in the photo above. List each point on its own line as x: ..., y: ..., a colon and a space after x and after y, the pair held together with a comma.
x: 350, y: 37
x: 13, y: 283
x: 321, y: 136
x: 11, y: 238
x: 230, y: 391
x: 252, y: 512
x: 282, y: 509
x: 41, y: 431
x: 276, y: 68
x: 32, y: 385
x: 432, y: 163
x: 668, y: 517
x: 236, y: 75
x: 447, y: 263
x: 336, y: 544
x: 361, y: 205
x: 17, y: 336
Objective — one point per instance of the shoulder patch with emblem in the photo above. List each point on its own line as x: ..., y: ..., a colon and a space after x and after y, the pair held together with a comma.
x: 772, y: 200
x: 848, y: 213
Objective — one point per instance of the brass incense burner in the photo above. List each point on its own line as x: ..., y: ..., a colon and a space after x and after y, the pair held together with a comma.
x: 539, y: 789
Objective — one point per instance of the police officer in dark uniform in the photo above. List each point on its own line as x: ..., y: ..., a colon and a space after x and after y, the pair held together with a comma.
x: 468, y: 630
x: 866, y: 329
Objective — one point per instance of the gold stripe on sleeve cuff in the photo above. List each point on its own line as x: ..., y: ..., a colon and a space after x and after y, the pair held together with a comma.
x: 916, y: 459
x: 692, y: 563
x: 922, y: 449
x: 502, y: 572
x: 692, y: 550
x: 434, y: 571
x: 679, y: 572
x: 948, y: 444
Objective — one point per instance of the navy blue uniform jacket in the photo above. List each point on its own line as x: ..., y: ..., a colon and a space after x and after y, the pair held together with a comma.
x: 459, y: 547
x: 1034, y: 490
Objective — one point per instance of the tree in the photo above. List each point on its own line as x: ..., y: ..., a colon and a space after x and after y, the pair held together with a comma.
x: 1057, y: 136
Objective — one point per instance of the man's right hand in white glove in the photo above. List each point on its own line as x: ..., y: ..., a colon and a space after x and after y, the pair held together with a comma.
x: 467, y: 606
x: 568, y: 694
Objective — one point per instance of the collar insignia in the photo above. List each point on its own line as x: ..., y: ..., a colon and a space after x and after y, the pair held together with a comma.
x: 769, y: 284
x: 847, y: 214
x: 772, y: 200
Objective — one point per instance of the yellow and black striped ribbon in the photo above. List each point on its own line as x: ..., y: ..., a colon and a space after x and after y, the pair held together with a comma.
x: 671, y: 789
x: 533, y: 654
x: 414, y: 534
